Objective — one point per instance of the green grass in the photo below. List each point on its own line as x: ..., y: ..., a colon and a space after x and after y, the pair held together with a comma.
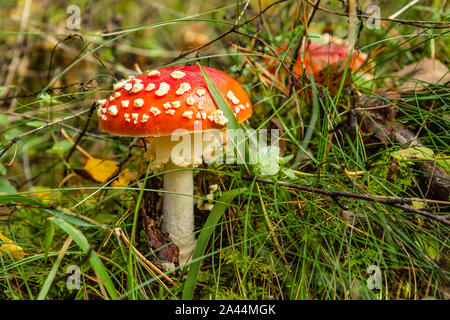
x: 261, y: 242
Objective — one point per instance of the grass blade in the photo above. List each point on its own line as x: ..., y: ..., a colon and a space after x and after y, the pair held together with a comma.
x: 203, y: 240
x: 51, y: 276
x: 94, y: 260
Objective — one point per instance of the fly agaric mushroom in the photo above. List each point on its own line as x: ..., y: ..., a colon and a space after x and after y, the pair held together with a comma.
x: 318, y: 57
x: 158, y: 104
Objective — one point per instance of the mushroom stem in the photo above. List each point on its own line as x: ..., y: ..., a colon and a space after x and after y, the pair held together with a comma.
x: 178, y: 209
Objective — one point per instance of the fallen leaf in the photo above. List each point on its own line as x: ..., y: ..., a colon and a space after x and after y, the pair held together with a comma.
x: 8, y: 246
x: 426, y: 70
x: 100, y: 169
x: 417, y: 152
x: 124, y: 178
x: 157, y: 240
x: 377, y: 118
x: 44, y: 194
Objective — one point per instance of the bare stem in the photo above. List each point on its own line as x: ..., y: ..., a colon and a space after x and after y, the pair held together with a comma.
x: 336, y: 195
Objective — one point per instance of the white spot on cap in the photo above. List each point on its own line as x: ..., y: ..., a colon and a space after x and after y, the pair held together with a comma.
x: 113, y: 110
x: 138, y: 87
x: 101, y: 102
x: 163, y: 89
x: 204, y: 115
x: 104, y: 117
x: 219, y: 118
x: 145, y: 118
x: 135, y: 117
x: 138, y: 103
x: 232, y: 97
x: 117, y: 94
x: 155, y: 111
x: 236, y: 110
x: 201, y: 92
x: 150, y: 87
x: 128, y: 86
x: 198, y: 116
x: 190, y: 100
x: 167, y: 105
x: 177, y: 74
x: 137, y: 80
x: 170, y: 111
x: 127, y: 117
x: 119, y: 85
x: 188, y: 114
x: 184, y: 87
x: 153, y: 73
x: 104, y: 110
x: 111, y: 98
x: 176, y: 104
x: 125, y: 103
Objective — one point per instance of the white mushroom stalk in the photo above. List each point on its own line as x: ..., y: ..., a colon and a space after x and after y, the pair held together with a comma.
x: 178, y: 158
x: 178, y: 201
x: 178, y: 210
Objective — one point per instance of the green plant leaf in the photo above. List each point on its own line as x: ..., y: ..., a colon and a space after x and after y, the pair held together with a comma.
x: 6, y: 187
x: 417, y: 152
x: 49, y: 233
x: 49, y: 280
x: 69, y: 218
x: 60, y: 147
x: 35, y: 123
x: 223, y: 106
x: 219, y: 99
x: 203, y: 240
x: 6, y: 198
x: 94, y: 260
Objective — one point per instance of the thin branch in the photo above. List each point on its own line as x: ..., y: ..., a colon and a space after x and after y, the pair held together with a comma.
x: 399, y: 12
x: 299, y: 45
x: 83, y: 132
x: 92, y: 135
x: 395, y: 202
x: 420, y: 24
x: 223, y: 35
x: 20, y: 136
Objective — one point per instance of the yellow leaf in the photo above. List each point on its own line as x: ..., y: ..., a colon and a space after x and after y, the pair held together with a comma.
x: 123, y: 180
x: 43, y: 194
x: 419, y: 204
x: 100, y: 169
x: 8, y: 246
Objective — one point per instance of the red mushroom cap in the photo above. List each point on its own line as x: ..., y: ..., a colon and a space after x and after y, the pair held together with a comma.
x: 320, y: 56
x: 158, y: 102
